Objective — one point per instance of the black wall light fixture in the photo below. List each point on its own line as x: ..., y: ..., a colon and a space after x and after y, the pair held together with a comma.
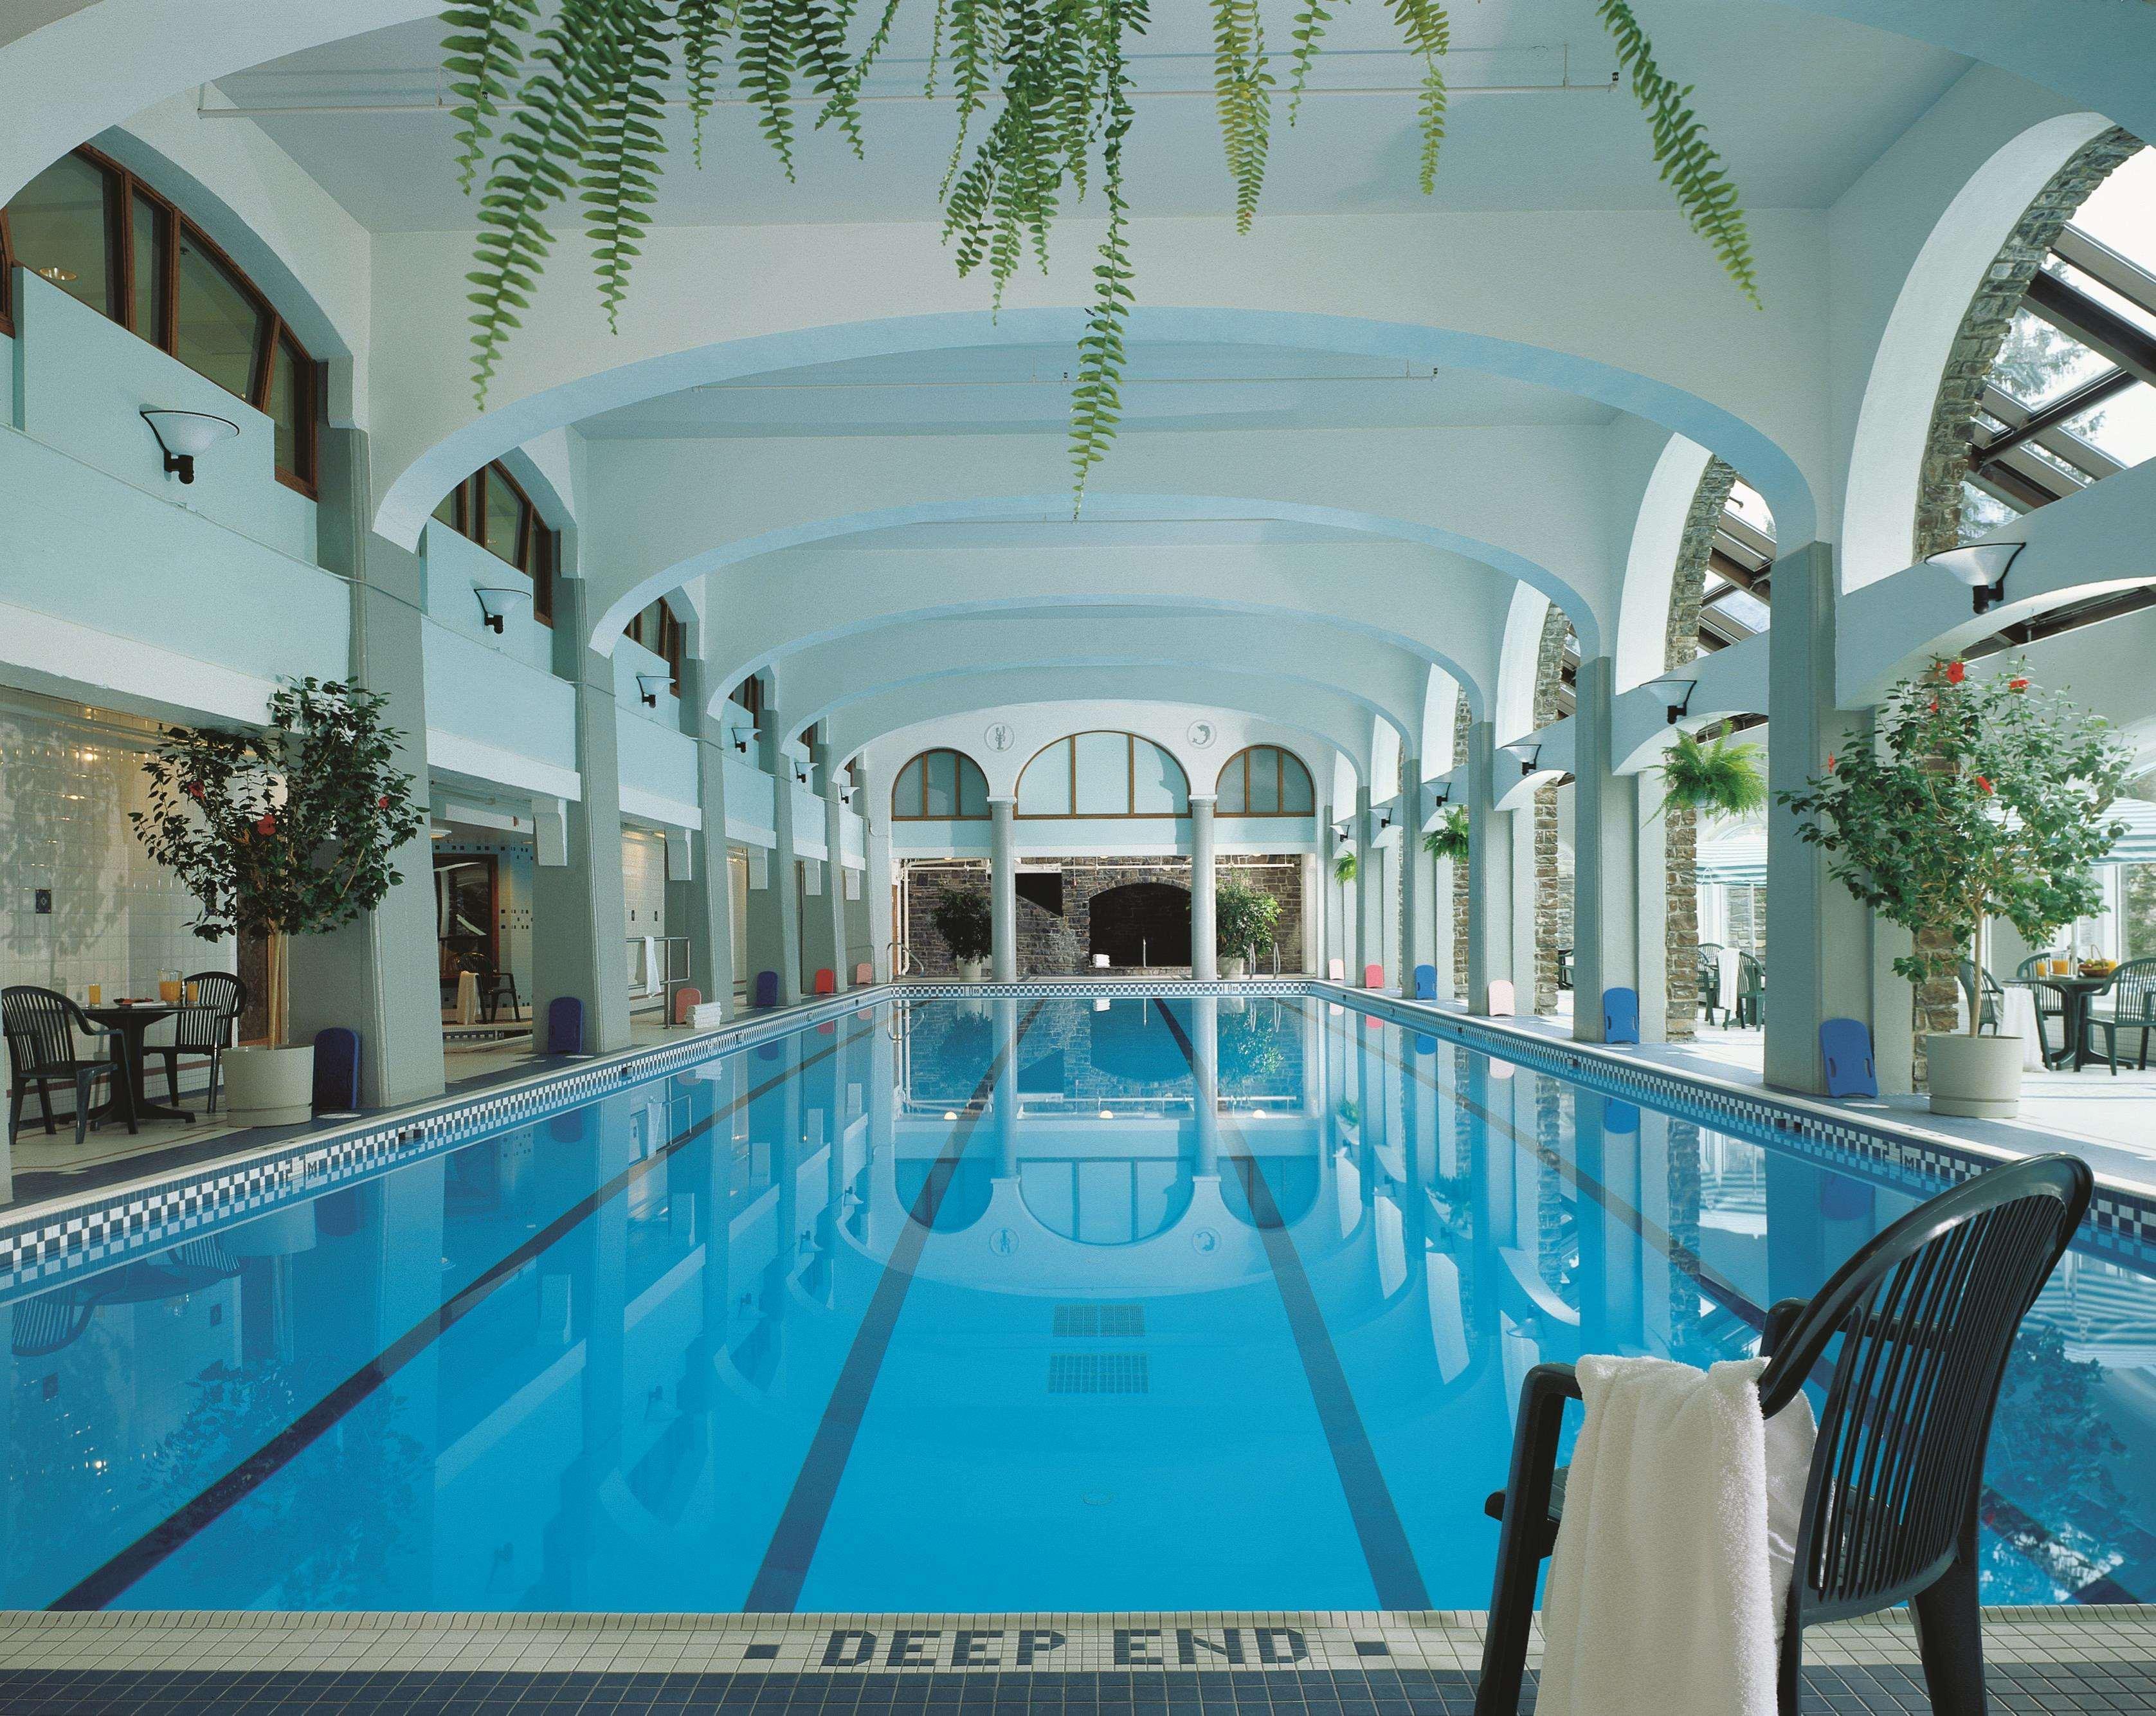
x: 1982, y: 567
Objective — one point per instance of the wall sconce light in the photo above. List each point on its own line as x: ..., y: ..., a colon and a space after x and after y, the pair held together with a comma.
x: 1982, y: 567
x: 494, y: 604
x: 741, y: 742
x: 1676, y: 692
x: 649, y: 684
x: 186, y: 435
x: 1440, y: 795
x: 1526, y: 753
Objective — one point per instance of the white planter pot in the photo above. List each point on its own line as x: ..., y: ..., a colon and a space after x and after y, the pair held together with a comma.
x: 269, y: 1087
x: 973, y: 970
x: 1978, y: 1078
x: 1235, y: 968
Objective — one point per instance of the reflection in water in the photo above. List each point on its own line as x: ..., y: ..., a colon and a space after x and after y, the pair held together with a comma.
x: 587, y: 1364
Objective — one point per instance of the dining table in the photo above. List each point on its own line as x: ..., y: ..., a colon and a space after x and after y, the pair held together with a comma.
x: 2075, y: 995
x: 130, y: 1022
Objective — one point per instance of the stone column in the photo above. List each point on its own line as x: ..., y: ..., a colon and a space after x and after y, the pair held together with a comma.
x: 1490, y: 863
x: 1819, y: 938
x: 580, y: 916
x: 1414, y: 875
x: 702, y: 905
x: 378, y: 974
x: 1605, y: 877
x: 1205, y: 960
x: 1002, y: 890
x: 775, y: 930
x: 1370, y: 901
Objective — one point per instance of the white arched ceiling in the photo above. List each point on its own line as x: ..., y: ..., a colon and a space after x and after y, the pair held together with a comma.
x: 1440, y: 712
x: 1382, y: 680
x: 1886, y: 459
x: 1445, y: 609
x: 1513, y: 711
x: 1318, y: 716
x: 1757, y: 375
x: 1384, y: 761
x: 1643, y: 618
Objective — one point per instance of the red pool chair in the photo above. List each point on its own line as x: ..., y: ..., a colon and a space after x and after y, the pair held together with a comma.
x: 827, y: 981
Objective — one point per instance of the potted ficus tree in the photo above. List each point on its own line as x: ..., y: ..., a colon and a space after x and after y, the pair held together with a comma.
x: 1982, y: 799
x: 284, y: 830
x: 1243, y: 920
x: 962, y: 917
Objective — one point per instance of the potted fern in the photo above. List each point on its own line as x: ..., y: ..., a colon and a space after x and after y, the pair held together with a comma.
x: 962, y: 917
x: 290, y: 830
x: 1982, y: 799
x: 1344, y: 867
x: 1722, y: 777
x: 1448, y: 840
x: 1244, y: 920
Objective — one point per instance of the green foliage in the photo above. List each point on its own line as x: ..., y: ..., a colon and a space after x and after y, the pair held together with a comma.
x: 1690, y: 166
x: 1982, y: 798
x: 585, y: 93
x: 963, y: 917
x: 1723, y: 777
x: 1344, y: 867
x: 1449, y: 839
x: 1243, y: 917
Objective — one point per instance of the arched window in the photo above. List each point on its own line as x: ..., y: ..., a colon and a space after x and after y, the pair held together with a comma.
x: 1265, y: 781
x: 490, y: 507
x: 92, y: 228
x: 940, y: 786
x: 1103, y: 775
x: 659, y: 631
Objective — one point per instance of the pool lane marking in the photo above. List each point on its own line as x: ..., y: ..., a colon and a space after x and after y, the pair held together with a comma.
x: 1723, y: 1291
x: 776, y: 1587
x: 1385, y: 1547
x: 148, y: 1552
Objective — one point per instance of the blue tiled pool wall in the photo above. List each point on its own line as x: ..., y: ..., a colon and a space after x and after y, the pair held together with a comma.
x: 39, y: 1250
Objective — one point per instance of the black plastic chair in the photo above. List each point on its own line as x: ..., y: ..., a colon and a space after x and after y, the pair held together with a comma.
x: 1710, y: 980
x: 1922, y: 1322
x: 2132, y: 998
x: 495, y: 983
x: 2051, y: 1004
x: 41, y: 1025
x: 1981, y: 991
x: 1751, y: 992
x: 208, y: 1028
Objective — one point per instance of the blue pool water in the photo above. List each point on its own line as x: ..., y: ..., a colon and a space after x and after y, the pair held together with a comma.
x: 988, y: 1304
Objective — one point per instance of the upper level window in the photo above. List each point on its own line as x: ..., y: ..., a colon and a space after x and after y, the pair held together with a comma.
x: 1740, y: 565
x: 1265, y: 781
x: 940, y: 786
x: 659, y: 631
x: 2072, y: 397
x: 1103, y: 775
x: 493, y: 511
x: 102, y: 236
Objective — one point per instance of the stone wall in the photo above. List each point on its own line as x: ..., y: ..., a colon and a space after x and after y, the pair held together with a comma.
x: 1053, y: 946
x: 1680, y: 646
x: 1553, y: 875
x: 1991, y: 312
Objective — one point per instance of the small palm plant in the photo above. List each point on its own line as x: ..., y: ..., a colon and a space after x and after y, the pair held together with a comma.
x: 1724, y: 776
x: 1449, y: 840
x: 1344, y: 867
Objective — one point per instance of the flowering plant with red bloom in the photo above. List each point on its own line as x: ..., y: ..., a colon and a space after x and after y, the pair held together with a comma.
x: 1981, y: 798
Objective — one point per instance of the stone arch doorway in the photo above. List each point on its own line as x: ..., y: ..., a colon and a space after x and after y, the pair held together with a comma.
x: 1140, y: 923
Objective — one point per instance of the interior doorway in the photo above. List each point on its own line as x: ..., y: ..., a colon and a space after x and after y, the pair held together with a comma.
x: 1142, y: 923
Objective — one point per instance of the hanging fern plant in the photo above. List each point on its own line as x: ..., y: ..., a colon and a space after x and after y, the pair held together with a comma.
x: 1344, y: 867
x: 1449, y: 840
x: 1039, y: 87
x: 1723, y: 777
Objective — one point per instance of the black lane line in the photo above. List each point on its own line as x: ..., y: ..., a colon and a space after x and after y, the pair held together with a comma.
x: 155, y: 1545
x: 1385, y: 1548
x: 776, y: 1587
x: 1724, y: 1293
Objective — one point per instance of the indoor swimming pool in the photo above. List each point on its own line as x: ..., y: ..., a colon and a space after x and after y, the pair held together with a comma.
x: 987, y: 1303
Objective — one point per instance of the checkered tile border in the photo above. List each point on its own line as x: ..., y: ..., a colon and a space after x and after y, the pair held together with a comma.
x: 49, y: 1241
x: 1087, y: 988
x: 1907, y: 1158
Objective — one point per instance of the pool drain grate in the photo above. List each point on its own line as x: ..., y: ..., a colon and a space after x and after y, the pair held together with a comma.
x: 1100, y: 1322
x: 1098, y: 1373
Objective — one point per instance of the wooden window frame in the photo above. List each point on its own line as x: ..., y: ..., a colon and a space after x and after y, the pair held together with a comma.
x: 957, y: 788
x: 1130, y: 813
x: 538, y: 543
x: 1282, y: 757
x: 122, y: 188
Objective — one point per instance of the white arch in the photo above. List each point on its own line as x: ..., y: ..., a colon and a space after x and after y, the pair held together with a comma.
x: 1643, y: 616
x: 1887, y: 458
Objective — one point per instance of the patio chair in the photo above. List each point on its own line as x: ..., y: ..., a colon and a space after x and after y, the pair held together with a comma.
x: 1710, y: 980
x: 2133, y: 999
x: 209, y: 1029
x: 2051, y: 1004
x: 41, y: 1026
x: 1992, y: 1006
x: 495, y: 983
x: 1751, y: 992
x: 1924, y: 1317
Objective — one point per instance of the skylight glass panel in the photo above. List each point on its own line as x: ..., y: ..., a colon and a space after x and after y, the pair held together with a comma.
x: 2121, y: 212
x: 1982, y: 513
x: 2118, y: 302
x: 2123, y: 427
x: 1744, y: 500
x: 2037, y: 363
x: 1746, y: 609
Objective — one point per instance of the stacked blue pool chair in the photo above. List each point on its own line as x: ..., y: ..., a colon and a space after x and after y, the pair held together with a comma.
x: 1425, y: 979
x: 336, y: 1070
x: 565, y: 1026
x: 1846, y: 1045
x: 767, y: 989
x: 1620, y: 1015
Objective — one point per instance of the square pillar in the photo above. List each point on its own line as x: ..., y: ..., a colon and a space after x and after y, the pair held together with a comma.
x: 702, y: 905
x: 1205, y: 952
x: 1002, y: 891
x: 1606, y: 950
x: 1415, y: 876
x: 774, y: 913
x: 1490, y: 871
x: 1369, y: 909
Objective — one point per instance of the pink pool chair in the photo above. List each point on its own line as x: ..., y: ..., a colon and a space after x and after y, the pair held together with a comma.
x: 687, y: 1001
x: 1373, y: 977
x: 1501, y: 998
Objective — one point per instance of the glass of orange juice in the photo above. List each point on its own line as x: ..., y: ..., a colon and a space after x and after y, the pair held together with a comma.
x: 96, y: 993
x: 168, y: 987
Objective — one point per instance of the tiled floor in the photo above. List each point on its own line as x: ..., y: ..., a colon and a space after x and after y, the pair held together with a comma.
x: 2060, y: 1662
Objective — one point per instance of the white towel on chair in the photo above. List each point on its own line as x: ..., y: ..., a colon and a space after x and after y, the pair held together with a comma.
x: 1728, y: 980
x: 1667, y: 1585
